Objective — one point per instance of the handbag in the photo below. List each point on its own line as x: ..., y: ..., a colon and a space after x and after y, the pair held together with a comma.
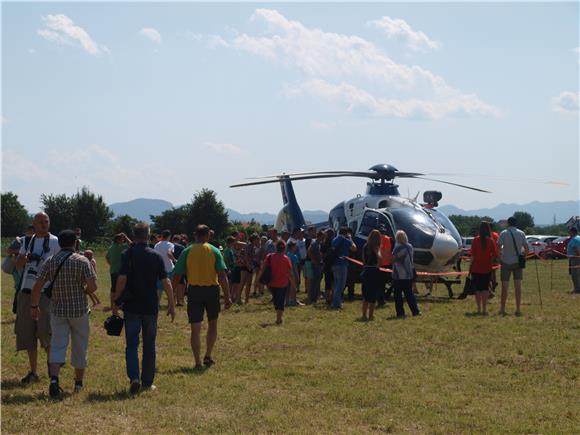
x: 266, y: 276
x: 9, y: 265
x: 48, y: 289
x: 521, y: 258
x: 468, y: 288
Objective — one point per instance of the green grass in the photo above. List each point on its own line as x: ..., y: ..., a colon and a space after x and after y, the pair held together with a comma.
x: 325, y: 372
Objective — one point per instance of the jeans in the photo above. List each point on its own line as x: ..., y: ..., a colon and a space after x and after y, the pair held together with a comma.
x: 134, y: 323
x: 404, y: 286
x: 339, y: 273
x: 314, y: 290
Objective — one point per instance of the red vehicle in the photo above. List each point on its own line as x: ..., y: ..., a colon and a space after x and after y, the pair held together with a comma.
x: 556, y: 248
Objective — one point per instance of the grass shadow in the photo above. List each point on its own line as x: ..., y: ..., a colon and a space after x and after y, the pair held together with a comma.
x: 395, y: 317
x: 109, y: 397
x: 433, y: 299
x: 10, y: 384
x: 23, y: 399
x: 188, y: 370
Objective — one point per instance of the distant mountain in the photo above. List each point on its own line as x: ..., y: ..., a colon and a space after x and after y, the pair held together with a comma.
x: 141, y: 208
x: 311, y: 216
x: 543, y: 212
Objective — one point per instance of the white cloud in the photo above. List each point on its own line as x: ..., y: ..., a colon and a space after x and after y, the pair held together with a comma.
x: 566, y: 102
x: 62, y: 30
x: 151, y: 34
x: 326, y: 56
x: 399, y: 28
x: 224, y: 148
x: 18, y: 167
x: 360, y: 101
x: 577, y: 51
x: 3, y: 120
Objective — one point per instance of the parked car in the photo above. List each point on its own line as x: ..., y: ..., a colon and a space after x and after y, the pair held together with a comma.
x: 467, y: 241
x: 537, y: 244
x: 557, y: 248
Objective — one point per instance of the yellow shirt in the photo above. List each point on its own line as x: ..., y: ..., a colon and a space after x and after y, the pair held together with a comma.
x: 201, y: 263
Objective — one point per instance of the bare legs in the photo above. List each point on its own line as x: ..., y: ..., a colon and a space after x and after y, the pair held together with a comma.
x: 518, y: 292
x: 368, y: 308
x: 210, y: 340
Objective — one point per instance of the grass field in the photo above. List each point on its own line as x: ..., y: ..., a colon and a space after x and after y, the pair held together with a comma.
x: 325, y: 372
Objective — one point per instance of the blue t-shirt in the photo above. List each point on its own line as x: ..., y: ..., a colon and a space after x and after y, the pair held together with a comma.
x: 573, y: 244
x: 342, y: 247
x: 293, y: 258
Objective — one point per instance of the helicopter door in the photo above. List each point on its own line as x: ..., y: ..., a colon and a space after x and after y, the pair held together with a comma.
x: 373, y: 220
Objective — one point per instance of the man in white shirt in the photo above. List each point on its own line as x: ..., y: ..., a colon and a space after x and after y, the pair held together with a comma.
x: 512, y: 243
x: 42, y: 246
x: 166, y: 248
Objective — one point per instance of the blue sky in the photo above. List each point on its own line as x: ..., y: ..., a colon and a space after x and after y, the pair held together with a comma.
x: 160, y: 100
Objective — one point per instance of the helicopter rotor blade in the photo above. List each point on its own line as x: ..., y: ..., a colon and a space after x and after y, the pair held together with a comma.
x: 306, y: 177
x: 453, y: 184
x: 309, y: 173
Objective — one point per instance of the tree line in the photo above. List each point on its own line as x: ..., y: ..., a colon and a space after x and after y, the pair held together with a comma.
x: 89, y: 212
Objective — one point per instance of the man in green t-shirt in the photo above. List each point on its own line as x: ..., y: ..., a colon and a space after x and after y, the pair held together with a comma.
x: 120, y: 243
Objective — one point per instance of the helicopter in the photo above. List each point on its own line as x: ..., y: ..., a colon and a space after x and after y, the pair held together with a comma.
x: 437, y: 243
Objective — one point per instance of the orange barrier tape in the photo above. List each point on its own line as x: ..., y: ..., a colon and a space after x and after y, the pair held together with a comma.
x: 382, y: 269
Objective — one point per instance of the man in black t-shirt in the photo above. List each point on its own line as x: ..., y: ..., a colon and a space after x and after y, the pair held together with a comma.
x: 141, y: 268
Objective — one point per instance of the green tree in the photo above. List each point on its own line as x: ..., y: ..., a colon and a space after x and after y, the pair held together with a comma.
x: 122, y: 224
x: 525, y: 220
x: 91, y: 213
x: 60, y: 210
x: 468, y: 226
x: 14, y: 216
x: 173, y: 219
x: 206, y: 209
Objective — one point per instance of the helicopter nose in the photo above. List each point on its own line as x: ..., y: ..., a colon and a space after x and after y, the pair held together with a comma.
x: 444, y: 248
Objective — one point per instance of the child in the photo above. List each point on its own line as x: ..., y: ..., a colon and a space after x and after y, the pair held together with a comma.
x: 292, y: 253
x: 91, y: 257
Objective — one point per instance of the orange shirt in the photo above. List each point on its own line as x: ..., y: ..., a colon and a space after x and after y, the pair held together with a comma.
x: 481, y: 259
x: 386, y: 251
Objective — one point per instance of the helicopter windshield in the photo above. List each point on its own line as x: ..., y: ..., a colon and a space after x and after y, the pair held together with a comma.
x: 444, y: 220
x: 419, y: 228
x: 373, y: 220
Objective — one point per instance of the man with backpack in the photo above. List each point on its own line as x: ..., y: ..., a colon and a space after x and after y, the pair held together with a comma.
x: 30, y: 260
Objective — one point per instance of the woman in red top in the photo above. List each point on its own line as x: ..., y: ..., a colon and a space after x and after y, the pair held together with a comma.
x: 483, y: 254
x: 281, y: 276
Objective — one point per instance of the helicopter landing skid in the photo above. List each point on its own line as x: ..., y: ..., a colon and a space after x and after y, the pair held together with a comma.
x: 446, y: 281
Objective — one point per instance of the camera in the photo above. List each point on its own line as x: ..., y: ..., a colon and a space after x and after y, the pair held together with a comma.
x: 34, y: 257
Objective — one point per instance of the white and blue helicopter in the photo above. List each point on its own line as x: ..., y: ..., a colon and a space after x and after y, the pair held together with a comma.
x: 436, y: 241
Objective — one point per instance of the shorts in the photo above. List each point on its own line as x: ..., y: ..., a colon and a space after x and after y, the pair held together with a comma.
x: 28, y: 330
x: 78, y: 329
x: 200, y: 298
x: 507, y: 269
x: 480, y: 281
x: 308, y: 273
x: 279, y: 297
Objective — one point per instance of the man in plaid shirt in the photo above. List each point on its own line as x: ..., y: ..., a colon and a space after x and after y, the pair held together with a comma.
x: 69, y: 308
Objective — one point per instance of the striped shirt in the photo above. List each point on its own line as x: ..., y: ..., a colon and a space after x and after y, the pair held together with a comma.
x: 69, y: 299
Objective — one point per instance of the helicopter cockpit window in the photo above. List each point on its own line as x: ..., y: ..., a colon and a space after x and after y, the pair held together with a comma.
x: 419, y: 227
x: 373, y: 220
x: 353, y: 226
x: 444, y: 220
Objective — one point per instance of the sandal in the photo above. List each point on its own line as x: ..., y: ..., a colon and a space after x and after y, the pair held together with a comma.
x: 207, y: 361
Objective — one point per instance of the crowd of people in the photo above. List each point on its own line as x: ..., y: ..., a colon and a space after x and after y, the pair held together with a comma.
x: 55, y: 277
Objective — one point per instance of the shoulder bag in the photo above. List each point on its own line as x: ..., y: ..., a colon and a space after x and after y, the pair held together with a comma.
x: 521, y: 258
x: 266, y: 276
x: 48, y: 289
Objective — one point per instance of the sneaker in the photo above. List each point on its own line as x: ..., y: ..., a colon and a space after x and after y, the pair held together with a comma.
x: 135, y: 387
x: 54, y: 390
x: 150, y: 388
x: 30, y: 378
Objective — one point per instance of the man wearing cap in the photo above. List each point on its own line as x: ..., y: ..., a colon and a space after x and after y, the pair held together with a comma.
x: 69, y: 272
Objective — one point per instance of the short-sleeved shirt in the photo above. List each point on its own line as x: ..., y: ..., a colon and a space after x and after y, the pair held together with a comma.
x: 386, y: 250
x: 573, y: 245
x: 114, y: 256
x: 69, y: 299
x: 314, y: 253
x: 342, y: 247
x: 294, y: 259
x: 143, y: 267
x: 229, y: 258
x: 164, y: 247
x: 37, y: 246
x: 281, y: 268
x: 177, y: 250
x: 201, y: 263
x: 270, y: 247
x: 509, y: 252
x: 481, y: 258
